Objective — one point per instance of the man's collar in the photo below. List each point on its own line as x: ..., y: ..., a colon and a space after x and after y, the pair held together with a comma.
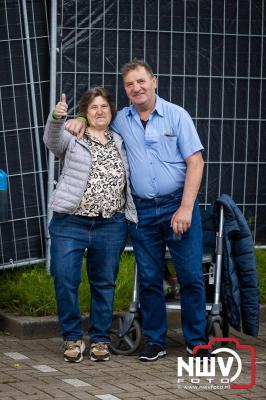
x: 158, y: 108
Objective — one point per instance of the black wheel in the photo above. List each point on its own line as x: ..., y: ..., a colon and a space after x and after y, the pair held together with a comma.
x: 130, y: 341
x: 220, y: 328
x: 215, y: 331
x: 225, y: 326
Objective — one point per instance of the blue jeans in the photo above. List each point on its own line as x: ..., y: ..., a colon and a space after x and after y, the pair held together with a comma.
x: 105, y: 239
x: 149, y: 238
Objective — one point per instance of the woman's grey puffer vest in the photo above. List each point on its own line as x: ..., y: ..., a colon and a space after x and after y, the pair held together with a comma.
x: 77, y: 165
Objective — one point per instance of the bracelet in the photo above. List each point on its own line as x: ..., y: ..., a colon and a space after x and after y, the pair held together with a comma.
x: 55, y: 116
x: 82, y: 118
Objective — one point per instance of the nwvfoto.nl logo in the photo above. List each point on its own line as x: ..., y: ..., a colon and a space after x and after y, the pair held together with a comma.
x: 231, y: 367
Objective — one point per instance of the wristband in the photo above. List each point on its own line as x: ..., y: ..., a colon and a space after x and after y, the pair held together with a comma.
x: 82, y: 118
x: 55, y: 116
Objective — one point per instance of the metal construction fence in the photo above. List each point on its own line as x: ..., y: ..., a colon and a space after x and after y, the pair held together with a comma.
x: 24, y: 95
x: 209, y: 57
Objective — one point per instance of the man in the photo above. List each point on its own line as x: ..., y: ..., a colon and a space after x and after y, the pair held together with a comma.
x: 166, y: 166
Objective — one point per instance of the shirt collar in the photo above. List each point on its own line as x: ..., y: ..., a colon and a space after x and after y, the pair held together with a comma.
x: 158, y: 108
x: 89, y: 137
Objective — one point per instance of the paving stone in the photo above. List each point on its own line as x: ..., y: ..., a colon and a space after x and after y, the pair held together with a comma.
x: 6, y: 379
x: 133, y: 398
x: 24, y: 376
x: 129, y: 387
x: 41, y: 396
x: 11, y: 392
x: 16, y: 356
x: 57, y: 393
x: 254, y: 392
x: 256, y: 396
x: 3, y: 387
x: 6, y: 397
x: 122, y: 377
x: 83, y: 396
x: 184, y: 394
x: 162, y: 397
x: 24, y: 387
x: 76, y: 382
x: 107, y: 397
x: 131, y: 395
x: 210, y: 394
x: 155, y: 390
x: 110, y: 388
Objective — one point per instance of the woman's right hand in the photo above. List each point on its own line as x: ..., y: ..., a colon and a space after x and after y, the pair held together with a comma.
x: 61, y: 107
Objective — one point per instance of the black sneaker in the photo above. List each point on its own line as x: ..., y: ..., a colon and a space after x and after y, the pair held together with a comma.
x: 151, y: 352
x: 200, y: 353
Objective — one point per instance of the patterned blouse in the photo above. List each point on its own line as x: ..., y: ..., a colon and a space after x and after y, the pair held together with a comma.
x: 105, y: 191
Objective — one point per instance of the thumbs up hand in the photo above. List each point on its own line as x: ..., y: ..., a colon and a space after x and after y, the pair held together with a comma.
x: 61, y: 107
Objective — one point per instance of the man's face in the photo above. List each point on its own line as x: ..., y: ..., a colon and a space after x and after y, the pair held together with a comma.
x: 140, y: 87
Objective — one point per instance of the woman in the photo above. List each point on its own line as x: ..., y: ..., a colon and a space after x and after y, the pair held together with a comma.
x: 90, y: 204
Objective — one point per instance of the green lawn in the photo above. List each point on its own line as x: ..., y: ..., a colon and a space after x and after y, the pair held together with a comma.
x: 261, y: 267
x: 30, y: 291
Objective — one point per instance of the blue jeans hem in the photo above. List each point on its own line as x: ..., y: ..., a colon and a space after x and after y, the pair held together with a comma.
x: 157, y: 344
x: 72, y: 338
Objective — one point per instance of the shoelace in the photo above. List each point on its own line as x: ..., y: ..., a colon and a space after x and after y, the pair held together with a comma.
x: 71, y: 345
x: 100, y: 346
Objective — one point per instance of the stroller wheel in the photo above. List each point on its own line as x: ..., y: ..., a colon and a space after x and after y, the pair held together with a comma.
x: 225, y: 326
x: 219, y: 330
x: 215, y: 331
x: 128, y: 342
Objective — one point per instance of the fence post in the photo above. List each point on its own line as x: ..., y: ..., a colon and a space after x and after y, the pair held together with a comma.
x: 3, y: 196
x: 53, y: 51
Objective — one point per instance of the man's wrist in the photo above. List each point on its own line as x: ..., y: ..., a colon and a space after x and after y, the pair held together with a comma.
x: 187, y: 206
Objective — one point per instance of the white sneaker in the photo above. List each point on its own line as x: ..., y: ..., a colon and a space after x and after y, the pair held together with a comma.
x: 74, y: 350
x: 99, y: 351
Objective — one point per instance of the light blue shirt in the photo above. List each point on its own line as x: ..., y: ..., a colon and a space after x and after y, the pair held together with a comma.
x: 157, y: 154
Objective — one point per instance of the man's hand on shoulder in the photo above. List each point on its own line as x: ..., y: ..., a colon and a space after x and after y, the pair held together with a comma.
x: 76, y: 126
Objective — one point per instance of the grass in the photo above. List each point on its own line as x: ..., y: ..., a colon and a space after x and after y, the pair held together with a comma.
x: 30, y: 291
x: 261, y: 267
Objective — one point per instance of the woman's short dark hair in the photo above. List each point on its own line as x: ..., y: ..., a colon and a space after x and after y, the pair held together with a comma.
x: 88, y: 97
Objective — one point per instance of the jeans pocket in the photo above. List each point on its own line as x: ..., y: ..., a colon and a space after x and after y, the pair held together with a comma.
x: 57, y: 222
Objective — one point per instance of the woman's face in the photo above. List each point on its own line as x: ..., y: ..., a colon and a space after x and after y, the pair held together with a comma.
x: 99, y: 113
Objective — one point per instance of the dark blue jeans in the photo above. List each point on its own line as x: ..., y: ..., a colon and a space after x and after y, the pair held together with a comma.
x: 105, y: 239
x: 149, y: 238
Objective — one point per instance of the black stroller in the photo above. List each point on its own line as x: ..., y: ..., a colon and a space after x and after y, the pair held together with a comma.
x: 126, y: 333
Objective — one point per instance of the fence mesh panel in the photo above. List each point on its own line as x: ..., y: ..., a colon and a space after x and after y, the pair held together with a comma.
x: 209, y: 57
x: 22, y: 236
